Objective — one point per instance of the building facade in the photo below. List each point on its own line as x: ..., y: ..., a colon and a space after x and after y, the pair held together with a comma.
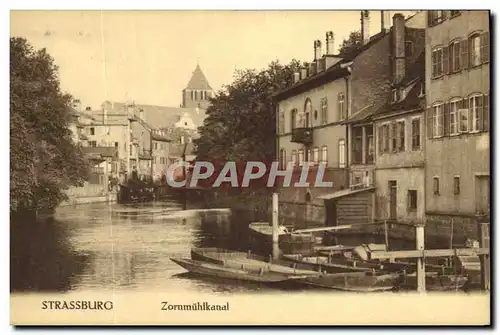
x: 160, y: 154
x: 457, y: 155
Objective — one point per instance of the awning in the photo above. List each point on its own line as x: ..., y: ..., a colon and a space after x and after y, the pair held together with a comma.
x: 344, y: 193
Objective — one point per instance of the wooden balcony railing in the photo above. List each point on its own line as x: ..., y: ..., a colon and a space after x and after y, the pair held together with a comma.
x: 302, y: 135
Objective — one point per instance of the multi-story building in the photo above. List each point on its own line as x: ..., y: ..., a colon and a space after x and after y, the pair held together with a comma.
x: 160, y: 153
x: 309, y: 129
x: 457, y: 145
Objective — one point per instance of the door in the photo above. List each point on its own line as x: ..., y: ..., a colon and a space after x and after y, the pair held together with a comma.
x: 482, y: 194
x: 393, y: 199
x: 331, y: 213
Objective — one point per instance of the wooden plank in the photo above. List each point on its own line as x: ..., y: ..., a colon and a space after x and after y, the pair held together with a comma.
x: 341, y: 227
x: 429, y: 253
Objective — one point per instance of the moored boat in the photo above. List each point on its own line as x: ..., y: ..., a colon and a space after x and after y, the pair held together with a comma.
x: 353, y: 281
x: 327, y: 264
x: 261, y: 238
x: 237, y: 259
x: 221, y: 271
x: 433, y: 282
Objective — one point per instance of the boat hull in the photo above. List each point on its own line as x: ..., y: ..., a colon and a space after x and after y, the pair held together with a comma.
x: 261, y: 240
x: 238, y: 260
x: 323, y: 264
x: 353, y: 282
x: 217, y: 271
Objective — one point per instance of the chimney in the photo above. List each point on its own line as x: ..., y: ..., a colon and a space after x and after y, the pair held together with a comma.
x: 330, y: 43
x: 365, y: 26
x: 317, y: 49
x: 385, y: 20
x: 141, y: 113
x: 88, y: 109
x: 296, y: 77
x: 303, y: 73
x: 77, y: 105
x: 398, y: 42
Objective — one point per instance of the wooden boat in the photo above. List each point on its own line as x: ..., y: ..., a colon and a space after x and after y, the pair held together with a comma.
x: 327, y: 264
x: 433, y: 282
x: 331, y: 250
x: 220, y: 271
x: 353, y: 281
x: 237, y: 259
x: 261, y: 238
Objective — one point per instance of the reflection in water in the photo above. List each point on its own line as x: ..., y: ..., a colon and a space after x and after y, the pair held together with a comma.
x: 114, y: 247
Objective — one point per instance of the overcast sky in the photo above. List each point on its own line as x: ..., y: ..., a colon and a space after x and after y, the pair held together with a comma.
x: 149, y: 56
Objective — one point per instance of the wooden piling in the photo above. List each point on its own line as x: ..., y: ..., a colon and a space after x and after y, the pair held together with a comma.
x: 420, y: 238
x: 275, y: 227
x: 386, y: 235
x: 483, y: 233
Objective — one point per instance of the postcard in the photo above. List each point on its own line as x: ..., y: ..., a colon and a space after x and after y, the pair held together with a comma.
x: 250, y: 167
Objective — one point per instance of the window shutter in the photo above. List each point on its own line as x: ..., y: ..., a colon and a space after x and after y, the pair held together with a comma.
x: 380, y: 140
x: 486, y: 113
x: 446, y: 60
x: 398, y: 139
x: 470, y: 107
x: 446, y: 123
x: 429, y: 122
x: 485, y: 47
x: 464, y: 54
x: 434, y: 67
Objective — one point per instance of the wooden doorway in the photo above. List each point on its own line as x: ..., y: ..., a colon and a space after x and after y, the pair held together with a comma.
x: 393, y: 199
x: 482, y: 195
x: 330, y: 213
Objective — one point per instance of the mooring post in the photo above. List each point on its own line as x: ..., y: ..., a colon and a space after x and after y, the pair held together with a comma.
x: 484, y: 260
x: 420, y: 237
x: 386, y: 235
x: 451, y: 239
x: 275, y: 227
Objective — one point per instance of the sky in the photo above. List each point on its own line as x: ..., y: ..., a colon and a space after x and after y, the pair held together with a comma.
x: 149, y: 56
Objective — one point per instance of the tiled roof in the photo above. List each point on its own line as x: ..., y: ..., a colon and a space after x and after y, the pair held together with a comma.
x: 159, y: 116
x: 198, y: 81
x: 99, y: 152
x: 175, y: 150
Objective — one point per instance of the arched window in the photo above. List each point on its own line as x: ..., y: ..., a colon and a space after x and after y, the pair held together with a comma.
x: 306, y: 121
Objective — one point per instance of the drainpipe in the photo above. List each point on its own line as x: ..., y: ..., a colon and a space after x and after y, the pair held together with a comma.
x: 348, y: 112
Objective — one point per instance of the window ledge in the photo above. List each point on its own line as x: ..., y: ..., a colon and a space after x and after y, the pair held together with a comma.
x: 438, y: 77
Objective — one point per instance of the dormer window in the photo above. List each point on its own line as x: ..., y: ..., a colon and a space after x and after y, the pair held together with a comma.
x: 409, y: 48
x: 395, y: 95
x: 422, y: 90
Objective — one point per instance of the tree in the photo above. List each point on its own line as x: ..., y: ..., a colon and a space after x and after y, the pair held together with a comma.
x: 241, y: 119
x: 44, y: 159
x: 351, y: 43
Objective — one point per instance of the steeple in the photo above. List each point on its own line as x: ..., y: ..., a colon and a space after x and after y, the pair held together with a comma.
x: 198, y: 80
x: 198, y: 91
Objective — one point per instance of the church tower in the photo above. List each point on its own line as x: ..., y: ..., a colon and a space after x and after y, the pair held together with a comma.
x: 197, y: 92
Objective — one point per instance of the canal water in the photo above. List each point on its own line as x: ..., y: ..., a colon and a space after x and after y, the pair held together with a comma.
x: 128, y: 247
x: 122, y: 247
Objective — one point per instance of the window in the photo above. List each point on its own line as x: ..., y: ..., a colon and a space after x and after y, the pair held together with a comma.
x: 475, y: 50
x: 415, y: 134
x: 394, y: 137
x: 116, y: 144
x: 485, y: 47
x: 456, y: 185
x: 475, y: 110
x: 92, y: 131
x: 192, y: 95
x: 342, y: 115
x: 412, y: 200
x: 454, y: 56
x: 316, y: 155
x: 409, y: 48
x: 463, y: 115
x: 315, y: 114
x: 436, y: 120
x: 357, y: 134
x: 395, y: 95
x: 324, y: 111
x: 435, y: 185
x: 324, y: 154
x: 309, y: 155
x: 182, y: 139
x: 307, y: 113
x: 437, y: 62
x: 435, y: 17
x: 156, y: 145
x: 294, y: 158
x: 301, y: 157
x: 454, y: 114
x: 369, y: 145
x: 294, y: 119
x: 383, y: 139
x: 283, y: 158
x: 341, y: 153
x: 281, y: 122
x: 400, y: 126
x: 93, y: 144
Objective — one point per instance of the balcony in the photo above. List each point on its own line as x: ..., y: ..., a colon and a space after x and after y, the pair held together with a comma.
x: 145, y: 154
x: 302, y: 135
